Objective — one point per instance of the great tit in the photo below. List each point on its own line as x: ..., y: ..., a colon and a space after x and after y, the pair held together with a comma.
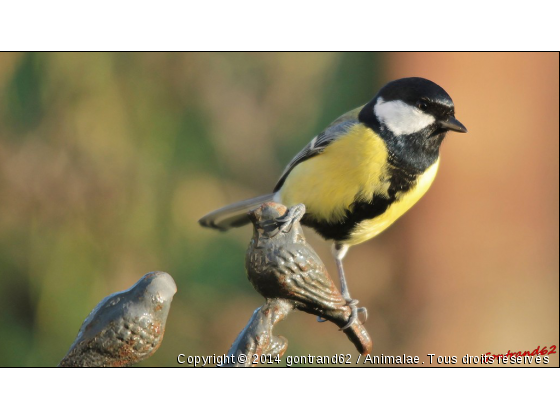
x: 364, y: 171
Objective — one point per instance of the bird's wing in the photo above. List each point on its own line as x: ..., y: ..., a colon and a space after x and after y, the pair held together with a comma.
x: 306, y: 278
x: 336, y: 129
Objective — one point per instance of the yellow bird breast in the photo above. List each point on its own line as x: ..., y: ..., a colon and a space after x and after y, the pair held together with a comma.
x: 352, y: 168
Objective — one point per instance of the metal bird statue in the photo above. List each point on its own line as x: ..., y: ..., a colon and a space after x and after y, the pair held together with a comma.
x: 281, y: 265
x: 125, y: 327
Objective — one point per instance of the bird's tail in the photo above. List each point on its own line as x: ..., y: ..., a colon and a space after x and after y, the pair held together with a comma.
x: 233, y: 215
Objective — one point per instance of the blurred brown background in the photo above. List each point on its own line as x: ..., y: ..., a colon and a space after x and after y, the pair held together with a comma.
x: 108, y: 160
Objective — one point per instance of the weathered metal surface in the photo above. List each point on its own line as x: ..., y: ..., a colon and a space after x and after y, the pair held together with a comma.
x: 284, y: 269
x: 125, y: 327
x: 257, y: 339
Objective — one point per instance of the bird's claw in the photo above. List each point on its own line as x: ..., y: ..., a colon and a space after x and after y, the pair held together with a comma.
x: 293, y: 215
x: 353, y: 304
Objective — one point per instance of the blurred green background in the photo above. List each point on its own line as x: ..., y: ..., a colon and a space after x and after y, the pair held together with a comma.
x: 107, y: 160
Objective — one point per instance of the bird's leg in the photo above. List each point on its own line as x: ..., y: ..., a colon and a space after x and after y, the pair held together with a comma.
x: 339, y: 251
x: 293, y: 215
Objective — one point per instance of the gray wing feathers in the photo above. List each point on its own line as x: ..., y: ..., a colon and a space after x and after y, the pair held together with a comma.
x: 316, y: 146
x: 233, y: 215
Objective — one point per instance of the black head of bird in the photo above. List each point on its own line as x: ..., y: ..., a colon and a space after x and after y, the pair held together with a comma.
x: 413, y: 115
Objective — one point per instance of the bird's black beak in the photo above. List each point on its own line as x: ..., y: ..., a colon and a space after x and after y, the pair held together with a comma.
x: 453, y: 124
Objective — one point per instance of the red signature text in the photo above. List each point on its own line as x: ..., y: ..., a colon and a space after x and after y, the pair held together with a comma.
x: 523, y: 356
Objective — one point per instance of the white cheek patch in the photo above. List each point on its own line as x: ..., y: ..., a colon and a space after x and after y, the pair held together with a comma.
x: 401, y: 118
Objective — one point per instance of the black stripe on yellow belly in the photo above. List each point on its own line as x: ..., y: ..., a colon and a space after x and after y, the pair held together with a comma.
x: 341, y: 232
x: 365, y: 219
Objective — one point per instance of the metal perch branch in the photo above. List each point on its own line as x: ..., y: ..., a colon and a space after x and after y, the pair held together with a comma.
x: 290, y: 275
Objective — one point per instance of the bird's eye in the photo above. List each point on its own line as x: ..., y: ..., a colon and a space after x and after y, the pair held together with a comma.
x: 422, y: 104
